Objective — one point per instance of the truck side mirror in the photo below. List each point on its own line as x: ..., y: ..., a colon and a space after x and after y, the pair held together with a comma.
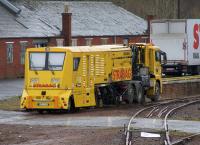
x: 163, y: 57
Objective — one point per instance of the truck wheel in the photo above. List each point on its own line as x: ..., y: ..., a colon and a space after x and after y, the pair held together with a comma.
x: 40, y: 111
x: 157, y: 92
x: 131, y: 93
x: 71, y: 106
x: 140, y: 95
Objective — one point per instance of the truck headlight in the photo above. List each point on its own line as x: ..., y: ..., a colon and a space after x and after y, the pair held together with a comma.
x: 34, y: 80
x: 55, y: 80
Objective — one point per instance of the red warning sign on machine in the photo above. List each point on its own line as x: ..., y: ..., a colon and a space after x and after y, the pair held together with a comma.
x: 121, y: 74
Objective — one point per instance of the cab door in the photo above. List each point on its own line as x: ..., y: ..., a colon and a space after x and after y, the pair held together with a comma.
x: 158, y: 63
x: 77, y: 81
x: 155, y: 71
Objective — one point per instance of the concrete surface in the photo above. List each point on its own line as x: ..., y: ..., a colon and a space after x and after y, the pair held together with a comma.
x: 9, y: 88
x: 11, y: 117
x: 178, y: 125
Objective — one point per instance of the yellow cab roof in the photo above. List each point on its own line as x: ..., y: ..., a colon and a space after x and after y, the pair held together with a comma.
x: 96, y: 48
x: 151, y: 46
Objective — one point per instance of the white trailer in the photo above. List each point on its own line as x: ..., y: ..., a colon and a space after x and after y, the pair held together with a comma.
x: 180, y: 39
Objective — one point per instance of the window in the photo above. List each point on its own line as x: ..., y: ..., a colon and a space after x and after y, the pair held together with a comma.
x: 126, y: 41
x: 88, y: 41
x: 142, y: 55
x: 74, y: 42
x: 104, y: 41
x: 76, y: 62
x: 9, y: 52
x: 47, y: 61
x: 40, y: 43
x: 144, y: 39
x: 37, y: 61
x: 55, y: 61
x: 59, y: 42
x: 37, y: 45
x: 157, y: 55
x: 23, y: 44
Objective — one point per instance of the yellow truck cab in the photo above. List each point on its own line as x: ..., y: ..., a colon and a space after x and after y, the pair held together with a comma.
x: 83, y: 76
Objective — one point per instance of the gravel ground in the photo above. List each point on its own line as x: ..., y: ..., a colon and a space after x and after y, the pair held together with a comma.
x: 188, y: 113
x: 138, y: 140
x: 51, y: 135
x: 48, y: 135
x: 57, y: 135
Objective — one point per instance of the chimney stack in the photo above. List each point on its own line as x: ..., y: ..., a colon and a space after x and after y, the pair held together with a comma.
x: 66, y: 26
x: 149, y: 19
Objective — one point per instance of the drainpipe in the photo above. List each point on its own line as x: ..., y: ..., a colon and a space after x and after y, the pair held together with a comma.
x: 149, y: 19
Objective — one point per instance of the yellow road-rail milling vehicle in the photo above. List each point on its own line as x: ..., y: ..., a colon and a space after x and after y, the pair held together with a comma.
x: 68, y: 78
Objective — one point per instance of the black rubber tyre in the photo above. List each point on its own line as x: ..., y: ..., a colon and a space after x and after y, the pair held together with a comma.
x: 135, y: 94
x: 40, y: 111
x: 140, y: 95
x: 156, y: 97
x: 71, y: 106
x: 130, y: 93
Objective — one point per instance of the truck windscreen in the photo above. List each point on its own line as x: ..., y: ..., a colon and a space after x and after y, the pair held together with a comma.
x: 47, y: 61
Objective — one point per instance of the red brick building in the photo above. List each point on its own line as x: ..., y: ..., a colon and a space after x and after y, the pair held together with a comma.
x: 43, y: 23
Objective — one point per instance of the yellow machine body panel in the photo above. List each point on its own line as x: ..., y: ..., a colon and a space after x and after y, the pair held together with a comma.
x: 94, y: 66
x: 56, y: 75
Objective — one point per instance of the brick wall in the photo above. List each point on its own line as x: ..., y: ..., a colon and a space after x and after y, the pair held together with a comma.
x: 16, y: 69
x: 111, y: 40
x: 180, y: 90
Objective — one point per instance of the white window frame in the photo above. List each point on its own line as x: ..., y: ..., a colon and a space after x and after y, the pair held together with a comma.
x: 23, y: 45
x: 145, y: 39
x: 74, y: 42
x: 9, y: 52
x: 104, y: 41
x: 40, y: 43
x: 60, y: 42
x: 125, y: 41
x: 88, y: 41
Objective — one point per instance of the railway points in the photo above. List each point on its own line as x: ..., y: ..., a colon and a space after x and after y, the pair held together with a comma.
x: 160, y: 111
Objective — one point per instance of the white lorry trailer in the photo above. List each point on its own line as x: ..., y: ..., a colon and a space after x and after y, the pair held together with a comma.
x: 180, y: 39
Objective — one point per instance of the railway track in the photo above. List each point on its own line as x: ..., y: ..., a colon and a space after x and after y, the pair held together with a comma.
x: 162, y: 111
x: 167, y: 133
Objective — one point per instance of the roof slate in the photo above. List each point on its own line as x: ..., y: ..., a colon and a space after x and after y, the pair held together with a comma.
x: 44, y: 19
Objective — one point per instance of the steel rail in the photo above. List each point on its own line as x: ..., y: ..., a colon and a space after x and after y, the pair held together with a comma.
x: 185, y: 138
x: 162, y: 111
x: 151, y: 112
x: 127, y: 139
x: 128, y: 142
x: 168, y: 141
